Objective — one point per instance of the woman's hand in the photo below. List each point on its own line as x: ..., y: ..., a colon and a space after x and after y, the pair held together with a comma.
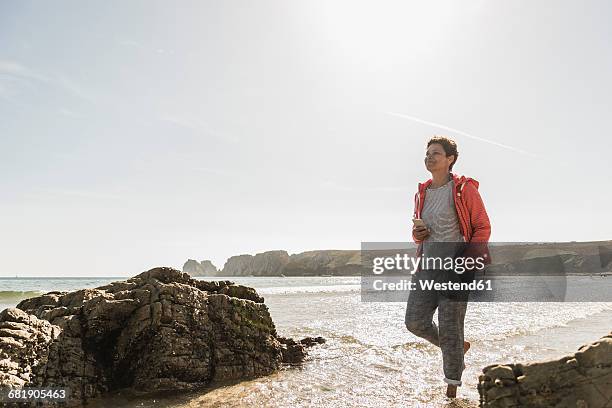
x: 420, y: 232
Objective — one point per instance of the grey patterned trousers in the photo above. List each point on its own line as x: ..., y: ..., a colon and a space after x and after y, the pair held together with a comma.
x: 421, y: 305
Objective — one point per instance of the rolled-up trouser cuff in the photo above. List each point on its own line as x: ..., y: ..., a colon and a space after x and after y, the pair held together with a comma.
x: 452, y: 382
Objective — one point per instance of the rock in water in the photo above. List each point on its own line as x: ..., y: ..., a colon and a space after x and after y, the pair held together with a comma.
x: 160, y: 330
x: 293, y: 351
x: 583, y: 379
x: 204, y: 268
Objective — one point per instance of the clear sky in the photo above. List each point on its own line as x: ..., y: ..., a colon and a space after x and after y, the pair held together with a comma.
x: 137, y: 134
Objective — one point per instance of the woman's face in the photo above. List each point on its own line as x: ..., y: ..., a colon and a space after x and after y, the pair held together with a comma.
x: 436, y: 160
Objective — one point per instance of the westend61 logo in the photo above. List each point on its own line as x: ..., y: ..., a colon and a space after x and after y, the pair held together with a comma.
x: 403, y: 262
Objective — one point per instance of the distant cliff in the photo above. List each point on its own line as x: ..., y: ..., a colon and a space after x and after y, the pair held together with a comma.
x: 327, y: 262
x: 270, y: 263
x: 280, y: 263
x: 554, y: 258
x: 204, y: 268
x: 508, y: 258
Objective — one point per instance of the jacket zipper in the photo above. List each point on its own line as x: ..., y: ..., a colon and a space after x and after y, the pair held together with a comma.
x: 458, y: 205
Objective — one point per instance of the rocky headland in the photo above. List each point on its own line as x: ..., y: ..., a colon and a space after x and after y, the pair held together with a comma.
x: 280, y: 263
x: 507, y: 258
x: 160, y: 330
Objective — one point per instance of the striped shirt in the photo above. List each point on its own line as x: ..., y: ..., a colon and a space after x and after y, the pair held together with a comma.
x: 440, y: 216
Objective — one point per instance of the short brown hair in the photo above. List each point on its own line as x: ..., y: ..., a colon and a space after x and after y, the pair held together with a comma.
x: 449, y: 146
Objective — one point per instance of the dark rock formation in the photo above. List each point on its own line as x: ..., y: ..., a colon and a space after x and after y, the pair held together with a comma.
x: 583, y: 379
x: 204, y: 268
x: 160, y: 330
x: 293, y: 351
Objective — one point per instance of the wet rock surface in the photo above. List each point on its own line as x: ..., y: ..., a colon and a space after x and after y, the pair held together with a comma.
x: 583, y: 379
x: 160, y: 330
x: 294, y: 351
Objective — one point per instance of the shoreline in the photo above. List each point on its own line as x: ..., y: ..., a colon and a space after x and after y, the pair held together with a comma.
x: 377, y: 347
x: 573, y: 334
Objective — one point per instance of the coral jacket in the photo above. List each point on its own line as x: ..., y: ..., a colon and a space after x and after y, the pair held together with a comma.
x: 473, y: 219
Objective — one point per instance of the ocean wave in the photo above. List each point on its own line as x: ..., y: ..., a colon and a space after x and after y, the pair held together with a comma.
x: 529, y: 318
x: 11, y: 296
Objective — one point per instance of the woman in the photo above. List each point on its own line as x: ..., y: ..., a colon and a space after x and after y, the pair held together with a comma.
x: 456, y: 224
